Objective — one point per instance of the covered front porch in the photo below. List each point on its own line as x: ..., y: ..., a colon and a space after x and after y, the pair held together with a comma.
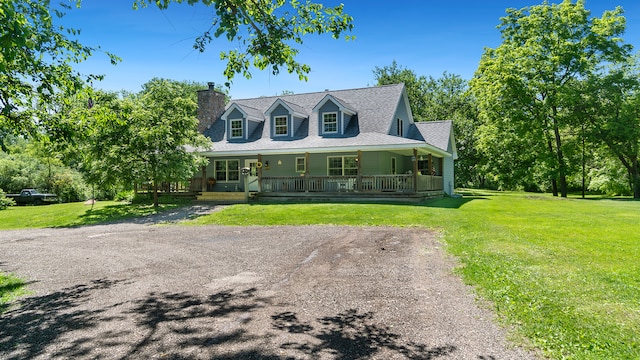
x: 405, y: 183
x: 392, y: 174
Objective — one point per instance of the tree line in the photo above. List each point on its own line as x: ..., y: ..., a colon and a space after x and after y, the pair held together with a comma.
x: 552, y: 108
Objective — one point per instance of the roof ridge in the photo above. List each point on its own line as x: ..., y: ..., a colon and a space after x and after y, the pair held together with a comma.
x: 318, y: 92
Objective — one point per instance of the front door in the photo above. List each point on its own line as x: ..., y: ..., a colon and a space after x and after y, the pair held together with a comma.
x: 253, y: 174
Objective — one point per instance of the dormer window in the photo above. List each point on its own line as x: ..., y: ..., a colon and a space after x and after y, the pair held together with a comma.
x: 330, y: 123
x: 236, y: 128
x: 281, y: 127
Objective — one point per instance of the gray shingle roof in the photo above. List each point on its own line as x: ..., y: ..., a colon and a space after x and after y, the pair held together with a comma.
x: 375, y: 108
x: 436, y: 133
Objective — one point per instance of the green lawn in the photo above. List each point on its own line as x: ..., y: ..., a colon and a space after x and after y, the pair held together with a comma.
x: 73, y: 214
x: 564, y: 272
x: 10, y: 288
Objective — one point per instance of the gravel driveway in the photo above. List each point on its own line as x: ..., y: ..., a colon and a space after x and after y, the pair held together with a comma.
x: 133, y: 290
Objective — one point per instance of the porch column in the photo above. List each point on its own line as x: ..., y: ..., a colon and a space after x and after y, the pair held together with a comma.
x: 306, y: 172
x: 415, y: 170
x: 359, y: 176
x: 259, y: 173
x: 203, y: 186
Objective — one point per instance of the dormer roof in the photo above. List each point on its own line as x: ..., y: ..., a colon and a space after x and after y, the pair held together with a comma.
x: 294, y: 109
x: 342, y: 105
x: 248, y: 112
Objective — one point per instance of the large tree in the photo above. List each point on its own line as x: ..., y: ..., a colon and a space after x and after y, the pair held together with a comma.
x: 526, y: 86
x: 37, y: 54
x: 610, y: 103
x: 145, y: 137
x: 443, y: 98
x: 35, y: 62
x: 267, y: 31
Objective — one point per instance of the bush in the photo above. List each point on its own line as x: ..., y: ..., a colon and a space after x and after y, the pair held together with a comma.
x: 5, y: 202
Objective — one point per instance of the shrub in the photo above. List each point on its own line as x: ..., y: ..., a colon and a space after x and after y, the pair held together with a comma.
x: 5, y: 202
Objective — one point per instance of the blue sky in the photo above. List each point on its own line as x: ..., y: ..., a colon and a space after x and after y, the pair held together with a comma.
x: 426, y: 36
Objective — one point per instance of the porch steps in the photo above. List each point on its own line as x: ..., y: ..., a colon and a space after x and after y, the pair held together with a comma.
x: 223, y: 197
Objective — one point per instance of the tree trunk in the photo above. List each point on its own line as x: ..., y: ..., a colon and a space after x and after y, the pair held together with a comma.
x: 562, y: 168
x: 155, y: 192
x: 635, y: 178
x: 554, y: 182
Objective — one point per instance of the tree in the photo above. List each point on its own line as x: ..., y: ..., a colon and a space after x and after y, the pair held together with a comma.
x: 416, y: 86
x: 526, y: 85
x: 444, y: 98
x: 35, y: 62
x: 266, y: 31
x: 145, y: 137
x: 611, y: 105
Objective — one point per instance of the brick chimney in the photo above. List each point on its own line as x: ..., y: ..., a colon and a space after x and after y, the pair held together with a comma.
x: 210, y: 106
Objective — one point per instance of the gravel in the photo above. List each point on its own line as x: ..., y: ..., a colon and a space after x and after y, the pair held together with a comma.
x: 138, y: 290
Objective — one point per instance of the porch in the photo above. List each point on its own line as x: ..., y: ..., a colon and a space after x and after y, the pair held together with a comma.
x: 405, y: 183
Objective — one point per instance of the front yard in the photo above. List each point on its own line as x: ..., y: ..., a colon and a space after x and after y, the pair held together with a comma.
x: 563, y: 272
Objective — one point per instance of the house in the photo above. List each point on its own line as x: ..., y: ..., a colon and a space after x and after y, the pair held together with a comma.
x: 359, y: 143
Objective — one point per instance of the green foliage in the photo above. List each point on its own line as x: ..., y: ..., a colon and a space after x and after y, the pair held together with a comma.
x: 444, y: 98
x: 527, y: 88
x: 35, y: 62
x: 143, y: 137
x: 28, y: 166
x: 266, y: 31
x: 5, y: 202
x: 562, y: 272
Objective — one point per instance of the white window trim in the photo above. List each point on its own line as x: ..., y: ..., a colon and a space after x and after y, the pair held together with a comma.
x: 215, y: 171
x: 323, y: 122
x: 275, y: 125
x: 231, y: 136
x: 342, y: 168
x: 304, y: 165
x: 400, y: 127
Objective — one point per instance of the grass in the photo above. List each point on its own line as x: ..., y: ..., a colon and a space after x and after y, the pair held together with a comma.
x: 75, y: 214
x: 565, y: 273
x: 10, y: 288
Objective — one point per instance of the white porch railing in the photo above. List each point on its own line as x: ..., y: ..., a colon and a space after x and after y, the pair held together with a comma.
x: 364, y: 183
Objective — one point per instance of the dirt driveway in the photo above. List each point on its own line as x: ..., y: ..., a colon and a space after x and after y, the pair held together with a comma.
x: 175, y: 292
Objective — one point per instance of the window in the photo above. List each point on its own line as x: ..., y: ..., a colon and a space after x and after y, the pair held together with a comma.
x: 399, y: 127
x: 227, y: 170
x: 281, y: 125
x: 342, y: 165
x: 330, y: 122
x: 301, y: 164
x: 393, y: 166
x: 236, y: 128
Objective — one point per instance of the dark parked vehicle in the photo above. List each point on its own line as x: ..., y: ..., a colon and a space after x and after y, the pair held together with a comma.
x: 33, y: 197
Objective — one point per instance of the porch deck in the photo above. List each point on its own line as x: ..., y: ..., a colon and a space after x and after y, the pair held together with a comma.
x: 403, y: 187
x: 361, y: 184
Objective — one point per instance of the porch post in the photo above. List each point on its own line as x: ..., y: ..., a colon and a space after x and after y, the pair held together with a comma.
x: 306, y: 172
x: 359, y: 176
x: 415, y: 170
x: 260, y: 173
x: 203, y: 186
